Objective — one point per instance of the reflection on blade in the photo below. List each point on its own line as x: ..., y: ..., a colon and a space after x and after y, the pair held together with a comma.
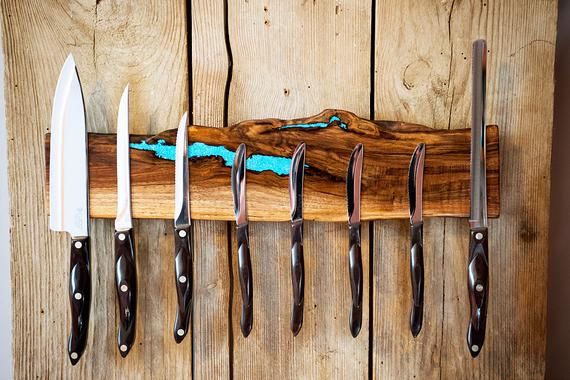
x: 296, y: 182
x: 415, y: 183
x: 124, y: 221
x: 238, y: 186
x: 353, y: 184
x: 182, y: 193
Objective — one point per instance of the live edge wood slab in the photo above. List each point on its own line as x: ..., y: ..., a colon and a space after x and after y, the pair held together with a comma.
x: 330, y: 137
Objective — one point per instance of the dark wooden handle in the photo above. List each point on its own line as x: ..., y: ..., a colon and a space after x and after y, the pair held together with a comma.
x: 417, y: 278
x: 183, y: 269
x: 355, y: 267
x: 245, y: 280
x: 79, y: 297
x: 478, y: 286
x: 297, y: 276
x: 126, y: 284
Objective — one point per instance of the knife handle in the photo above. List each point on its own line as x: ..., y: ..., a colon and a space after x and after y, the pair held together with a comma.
x: 355, y: 267
x: 183, y: 269
x: 126, y: 284
x: 297, y: 276
x: 478, y: 286
x: 245, y: 280
x: 417, y: 278
x: 79, y: 297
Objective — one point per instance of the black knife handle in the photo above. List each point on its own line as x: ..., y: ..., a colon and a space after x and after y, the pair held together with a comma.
x: 478, y: 286
x: 126, y: 284
x: 183, y: 270
x: 245, y: 280
x: 79, y: 297
x: 297, y: 276
x: 355, y: 267
x: 417, y: 278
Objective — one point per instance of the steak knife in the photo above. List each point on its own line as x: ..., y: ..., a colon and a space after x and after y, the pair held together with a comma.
x: 296, y: 175
x: 415, y: 189
x: 69, y: 188
x: 182, y: 234
x: 353, y: 185
x: 478, y: 267
x: 244, y: 260
x: 125, y: 267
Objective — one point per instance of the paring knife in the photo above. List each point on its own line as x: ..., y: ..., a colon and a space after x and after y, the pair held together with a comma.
x: 478, y: 267
x: 415, y: 189
x: 182, y: 234
x: 244, y: 260
x: 296, y: 175
x: 353, y: 185
x: 69, y: 187
x: 125, y: 267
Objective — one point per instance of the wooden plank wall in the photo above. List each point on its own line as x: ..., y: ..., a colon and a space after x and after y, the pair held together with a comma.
x: 403, y: 60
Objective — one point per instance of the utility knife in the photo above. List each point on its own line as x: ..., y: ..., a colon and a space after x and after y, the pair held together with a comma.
x: 69, y: 188
x: 296, y: 175
x: 125, y: 266
x: 353, y: 185
x: 478, y: 265
x: 415, y: 188
x: 182, y: 234
x: 242, y: 233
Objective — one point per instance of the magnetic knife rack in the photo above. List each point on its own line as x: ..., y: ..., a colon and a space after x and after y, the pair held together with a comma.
x: 330, y: 137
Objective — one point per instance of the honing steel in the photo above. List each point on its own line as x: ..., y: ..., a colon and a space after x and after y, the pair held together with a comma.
x: 125, y: 266
x: 182, y: 234
x: 353, y: 185
x: 296, y: 175
x: 415, y: 189
x: 244, y: 260
x: 69, y: 197
x: 478, y: 267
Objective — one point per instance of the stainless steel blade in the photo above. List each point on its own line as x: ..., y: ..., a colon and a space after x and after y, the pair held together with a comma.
x: 182, y: 191
x: 353, y: 184
x: 238, y: 186
x: 296, y: 175
x: 123, y: 221
x: 478, y: 215
x: 415, y: 184
x: 68, y: 156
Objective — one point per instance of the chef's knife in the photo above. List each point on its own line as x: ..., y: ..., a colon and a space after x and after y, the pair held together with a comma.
x: 415, y: 185
x: 353, y: 185
x: 182, y: 234
x: 296, y: 175
x: 478, y: 268
x: 69, y: 186
x: 244, y: 261
x: 125, y: 267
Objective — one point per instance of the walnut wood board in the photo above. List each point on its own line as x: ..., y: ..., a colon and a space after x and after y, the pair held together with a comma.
x: 330, y: 137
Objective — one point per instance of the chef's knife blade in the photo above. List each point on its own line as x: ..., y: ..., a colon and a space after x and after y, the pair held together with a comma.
x: 415, y: 189
x: 182, y: 234
x: 353, y: 186
x: 296, y: 175
x: 69, y: 197
x: 244, y: 260
x: 478, y: 268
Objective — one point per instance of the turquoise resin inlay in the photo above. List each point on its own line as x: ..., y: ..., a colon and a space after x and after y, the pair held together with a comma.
x: 318, y: 124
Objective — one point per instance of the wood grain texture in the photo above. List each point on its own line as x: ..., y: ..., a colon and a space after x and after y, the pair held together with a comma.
x: 330, y: 137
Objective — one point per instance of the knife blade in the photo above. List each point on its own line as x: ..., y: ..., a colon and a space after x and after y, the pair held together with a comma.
x: 353, y: 186
x: 478, y: 267
x: 69, y: 193
x: 415, y: 189
x: 242, y: 233
x: 125, y: 266
x: 183, y: 262
x: 296, y: 175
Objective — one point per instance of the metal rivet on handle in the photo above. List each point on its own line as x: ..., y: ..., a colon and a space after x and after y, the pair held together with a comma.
x: 478, y: 236
x: 180, y: 332
x: 74, y: 355
x: 123, y: 348
x: 182, y: 279
x: 479, y: 287
x: 475, y: 348
x: 78, y: 296
x: 122, y: 237
x: 124, y: 288
x: 78, y: 244
x: 182, y: 233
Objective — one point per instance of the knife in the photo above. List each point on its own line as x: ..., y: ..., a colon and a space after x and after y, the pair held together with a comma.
x: 296, y: 175
x: 125, y: 267
x: 478, y: 267
x: 69, y: 188
x: 353, y: 185
x: 244, y: 260
x: 182, y: 234
x: 415, y: 188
